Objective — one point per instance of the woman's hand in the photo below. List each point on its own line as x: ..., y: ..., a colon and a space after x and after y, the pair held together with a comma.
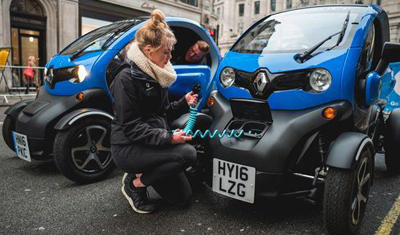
x: 191, y: 99
x: 179, y: 137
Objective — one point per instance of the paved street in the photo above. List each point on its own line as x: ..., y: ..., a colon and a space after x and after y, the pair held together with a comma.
x: 37, y: 199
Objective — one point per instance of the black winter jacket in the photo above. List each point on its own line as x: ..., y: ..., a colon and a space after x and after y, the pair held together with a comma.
x: 142, y: 111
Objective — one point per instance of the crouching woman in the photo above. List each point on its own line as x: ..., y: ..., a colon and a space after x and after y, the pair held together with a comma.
x: 142, y: 143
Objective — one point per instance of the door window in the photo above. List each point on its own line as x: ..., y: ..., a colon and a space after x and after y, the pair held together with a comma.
x: 25, y: 43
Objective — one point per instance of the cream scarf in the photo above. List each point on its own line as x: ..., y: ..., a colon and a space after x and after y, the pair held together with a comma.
x: 164, y: 76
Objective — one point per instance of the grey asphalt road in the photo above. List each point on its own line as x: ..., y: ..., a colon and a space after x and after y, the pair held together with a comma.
x: 36, y: 199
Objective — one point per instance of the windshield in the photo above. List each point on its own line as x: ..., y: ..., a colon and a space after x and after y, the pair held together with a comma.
x: 298, y: 30
x: 101, y: 38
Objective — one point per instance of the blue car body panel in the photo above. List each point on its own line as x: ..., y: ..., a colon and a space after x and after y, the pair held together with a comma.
x: 66, y: 88
x: 341, y: 62
x: 96, y: 65
x: 292, y: 99
x: 188, y: 76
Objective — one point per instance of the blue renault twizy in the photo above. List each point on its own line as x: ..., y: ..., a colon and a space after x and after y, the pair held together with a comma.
x: 71, y: 114
x: 303, y: 86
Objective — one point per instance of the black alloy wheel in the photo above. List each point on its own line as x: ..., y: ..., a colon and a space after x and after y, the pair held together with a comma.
x: 82, y: 153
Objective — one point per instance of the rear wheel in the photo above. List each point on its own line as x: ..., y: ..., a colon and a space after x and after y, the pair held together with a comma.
x: 8, y: 128
x: 346, y: 196
x: 82, y: 153
x: 392, y: 144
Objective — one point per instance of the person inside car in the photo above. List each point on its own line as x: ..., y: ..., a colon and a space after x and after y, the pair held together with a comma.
x: 142, y: 143
x: 196, y: 54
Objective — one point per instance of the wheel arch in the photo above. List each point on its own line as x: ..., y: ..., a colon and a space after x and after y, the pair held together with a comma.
x: 346, y: 150
x: 68, y: 120
x: 15, y: 109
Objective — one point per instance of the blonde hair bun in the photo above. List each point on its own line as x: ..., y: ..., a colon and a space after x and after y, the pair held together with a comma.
x: 157, y: 19
x: 155, y: 32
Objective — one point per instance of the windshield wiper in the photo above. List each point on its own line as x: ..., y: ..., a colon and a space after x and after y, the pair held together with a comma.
x: 344, y: 27
x: 78, y: 53
x: 113, y: 35
x: 307, y: 54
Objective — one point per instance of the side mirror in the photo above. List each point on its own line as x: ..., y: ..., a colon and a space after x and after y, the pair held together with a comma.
x: 390, y: 54
x: 372, y: 88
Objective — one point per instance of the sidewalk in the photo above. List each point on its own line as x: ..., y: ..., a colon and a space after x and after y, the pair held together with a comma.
x: 8, y: 99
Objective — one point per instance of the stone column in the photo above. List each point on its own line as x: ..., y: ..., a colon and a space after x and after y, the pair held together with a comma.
x: 392, y: 7
x: 5, y: 40
x: 50, y: 7
x: 68, y: 21
x: 280, y: 5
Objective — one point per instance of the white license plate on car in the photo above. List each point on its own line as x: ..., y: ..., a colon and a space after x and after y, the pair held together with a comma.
x: 21, y: 146
x: 234, y: 180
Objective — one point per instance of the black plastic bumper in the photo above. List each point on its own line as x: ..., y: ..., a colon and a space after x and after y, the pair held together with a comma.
x: 271, y: 151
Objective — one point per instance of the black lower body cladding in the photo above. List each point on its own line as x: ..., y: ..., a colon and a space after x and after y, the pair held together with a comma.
x: 38, y: 118
x: 269, y: 153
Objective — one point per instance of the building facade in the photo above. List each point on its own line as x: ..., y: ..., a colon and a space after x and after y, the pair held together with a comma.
x: 43, y: 27
x: 235, y: 16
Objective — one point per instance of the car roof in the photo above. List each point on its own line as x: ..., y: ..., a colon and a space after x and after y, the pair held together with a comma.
x: 354, y: 6
x: 167, y: 19
x: 323, y: 6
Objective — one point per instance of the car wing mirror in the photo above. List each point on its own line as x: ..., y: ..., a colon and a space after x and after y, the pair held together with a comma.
x: 390, y: 54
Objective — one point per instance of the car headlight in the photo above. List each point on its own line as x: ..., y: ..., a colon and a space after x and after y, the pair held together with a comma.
x: 227, y: 77
x: 320, y: 80
x: 80, y: 73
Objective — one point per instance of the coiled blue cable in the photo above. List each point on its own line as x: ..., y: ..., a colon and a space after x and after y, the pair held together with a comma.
x: 192, y: 121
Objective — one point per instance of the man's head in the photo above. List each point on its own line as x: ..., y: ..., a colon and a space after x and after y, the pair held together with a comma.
x: 197, y: 52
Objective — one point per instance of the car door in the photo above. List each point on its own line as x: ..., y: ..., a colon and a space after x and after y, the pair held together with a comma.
x: 187, y: 33
x: 190, y: 76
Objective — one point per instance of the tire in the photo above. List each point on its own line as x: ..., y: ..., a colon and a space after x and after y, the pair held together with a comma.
x: 8, y: 127
x: 344, y: 204
x: 392, y: 145
x: 82, y: 152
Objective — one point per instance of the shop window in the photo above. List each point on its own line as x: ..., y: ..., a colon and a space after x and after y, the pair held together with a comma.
x: 305, y: 2
x: 28, y: 31
x: 273, y: 5
x: 191, y: 2
x: 30, y: 7
x: 257, y: 7
x: 241, y: 9
x: 289, y: 4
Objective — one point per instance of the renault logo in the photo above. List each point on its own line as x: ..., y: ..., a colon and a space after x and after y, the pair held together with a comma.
x: 260, y: 82
x: 50, y: 77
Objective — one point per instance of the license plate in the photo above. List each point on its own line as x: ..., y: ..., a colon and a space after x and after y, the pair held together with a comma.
x: 21, y: 146
x: 234, y: 180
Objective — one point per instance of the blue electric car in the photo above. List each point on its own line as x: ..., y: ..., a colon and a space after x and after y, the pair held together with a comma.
x: 303, y: 85
x: 71, y: 115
